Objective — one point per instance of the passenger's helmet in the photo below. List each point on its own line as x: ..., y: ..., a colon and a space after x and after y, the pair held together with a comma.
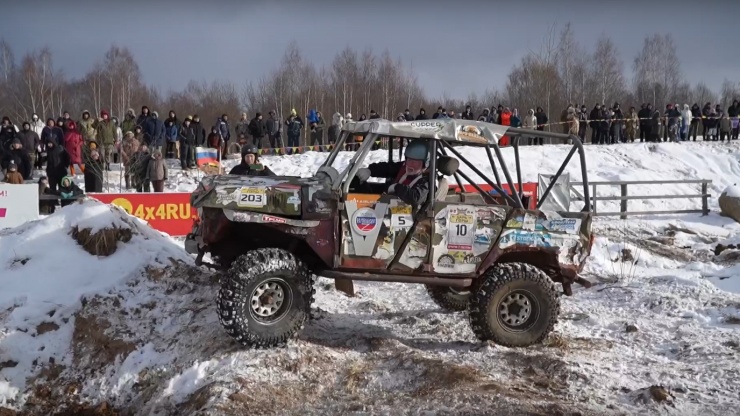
x: 249, y: 149
x: 417, y: 150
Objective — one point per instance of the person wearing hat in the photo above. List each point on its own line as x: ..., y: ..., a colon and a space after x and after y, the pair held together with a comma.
x: 250, y: 165
x: 46, y: 206
x: 12, y: 176
x: 106, y: 137
x: 19, y: 157
x: 242, y: 129
x: 409, y: 184
x: 94, y: 167
x: 224, y: 130
x: 157, y: 171
x: 57, y: 163
x: 30, y: 141
x: 129, y: 121
x: 187, y: 144
x: 295, y: 124
x: 68, y: 189
x: 86, y: 127
x: 274, y: 130
x: 73, y: 144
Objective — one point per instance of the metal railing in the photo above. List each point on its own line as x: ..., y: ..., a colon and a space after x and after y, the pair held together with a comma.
x: 625, y: 197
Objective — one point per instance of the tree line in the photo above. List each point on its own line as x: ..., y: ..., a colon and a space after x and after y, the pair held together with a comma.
x: 559, y: 73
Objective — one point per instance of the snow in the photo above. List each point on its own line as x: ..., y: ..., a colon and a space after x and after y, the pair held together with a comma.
x: 732, y: 191
x: 390, y: 344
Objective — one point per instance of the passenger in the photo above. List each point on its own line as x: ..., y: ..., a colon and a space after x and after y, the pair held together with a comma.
x: 250, y: 165
x: 410, y: 184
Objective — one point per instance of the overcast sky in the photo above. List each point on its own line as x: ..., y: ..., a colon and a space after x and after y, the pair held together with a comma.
x: 455, y: 46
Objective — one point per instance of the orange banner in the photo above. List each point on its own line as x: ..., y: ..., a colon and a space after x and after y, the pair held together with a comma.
x: 170, y: 213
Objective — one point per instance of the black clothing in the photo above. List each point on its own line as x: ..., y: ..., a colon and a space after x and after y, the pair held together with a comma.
x: 244, y: 170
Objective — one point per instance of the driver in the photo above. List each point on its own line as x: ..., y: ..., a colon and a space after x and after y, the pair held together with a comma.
x: 250, y: 165
x: 410, y: 183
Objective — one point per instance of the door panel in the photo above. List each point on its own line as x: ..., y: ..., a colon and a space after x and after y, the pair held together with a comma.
x: 373, y: 231
x: 463, y: 235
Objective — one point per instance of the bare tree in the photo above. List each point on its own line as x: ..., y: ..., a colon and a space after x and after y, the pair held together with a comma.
x: 608, y: 70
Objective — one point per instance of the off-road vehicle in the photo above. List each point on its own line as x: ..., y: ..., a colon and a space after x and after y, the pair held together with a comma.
x: 489, y: 253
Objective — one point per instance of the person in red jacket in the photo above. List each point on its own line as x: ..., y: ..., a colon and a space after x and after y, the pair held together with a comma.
x: 505, y: 121
x: 73, y: 145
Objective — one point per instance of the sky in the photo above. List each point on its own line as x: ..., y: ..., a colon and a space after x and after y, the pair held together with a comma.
x: 455, y: 47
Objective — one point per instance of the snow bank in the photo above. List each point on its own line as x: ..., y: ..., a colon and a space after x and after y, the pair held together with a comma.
x: 44, y: 274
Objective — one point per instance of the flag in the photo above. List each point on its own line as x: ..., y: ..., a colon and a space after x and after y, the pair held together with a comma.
x: 206, y: 156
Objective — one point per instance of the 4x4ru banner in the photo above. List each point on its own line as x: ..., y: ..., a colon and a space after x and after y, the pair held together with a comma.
x: 170, y: 213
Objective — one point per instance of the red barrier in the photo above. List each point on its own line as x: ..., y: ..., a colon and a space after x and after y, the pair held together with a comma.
x: 170, y: 213
x: 529, y: 189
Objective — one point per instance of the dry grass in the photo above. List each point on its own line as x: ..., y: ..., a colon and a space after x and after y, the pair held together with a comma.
x: 102, y: 243
x: 732, y: 320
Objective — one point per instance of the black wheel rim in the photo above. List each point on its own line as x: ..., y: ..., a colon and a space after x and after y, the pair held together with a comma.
x: 270, y: 301
x: 517, y: 311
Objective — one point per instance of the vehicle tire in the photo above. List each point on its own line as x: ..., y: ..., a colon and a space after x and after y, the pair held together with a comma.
x: 448, y: 298
x: 265, y: 297
x: 514, y: 304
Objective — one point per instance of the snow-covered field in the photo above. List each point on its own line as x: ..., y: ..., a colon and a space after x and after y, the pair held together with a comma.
x: 138, y: 330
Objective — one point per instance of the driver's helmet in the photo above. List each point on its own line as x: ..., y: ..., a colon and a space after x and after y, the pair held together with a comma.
x: 250, y: 149
x: 417, y: 149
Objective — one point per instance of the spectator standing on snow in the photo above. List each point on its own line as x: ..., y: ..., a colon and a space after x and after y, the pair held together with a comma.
x: 225, y: 131
x: 572, y: 120
x: 695, y: 120
x: 170, y: 133
x: 187, y: 144
x: 155, y: 127
x: 336, y: 127
x: 541, y: 121
x: 129, y: 146
x: 274, y: 130
x: 7, y: 134
x: 257, y: 129
x: 422, y: 115
x: 529, y: 121
x: 200, y: 133
x: 140, y: 168
x: 142, y: 119
x: 655, y: 126
x: 725, y: 126
x: 733, y: 113
x: 30, y: 141
x: 241, y: 129
x: 87, y: 128
x: 317, y: 132
x: 295, y: 124
x: 18, y: 156
x: 36, y: 124
x: 618, y: 123
x: 73, y: 142
x: 505, y: 121
x: 94, y: 167
x: 595, y: 124
x: 129, y: 121
x: 604, y: 124
x: 632, y: 124
x: 65, y: 119
x: 374, y: 115
x: 438, y: 113
x: 515, y: 120
x: 157, y: 171
x: 107, y: 137
x: 706, y: 112
x: 214, y: 141
x: 46, y: 206
x: 57, y: 163
x: 685, y: 123
x: 407, y: 115
x: 582, y: 123
x: 644, y: 116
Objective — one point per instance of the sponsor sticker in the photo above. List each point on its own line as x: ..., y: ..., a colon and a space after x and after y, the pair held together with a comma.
x: 401, y: 217
x: 562, y: 225
x: 525, y: 238
x: 461, y: 230
x: 270, y: 218
x: 429, y: 126
x: 364, y: 221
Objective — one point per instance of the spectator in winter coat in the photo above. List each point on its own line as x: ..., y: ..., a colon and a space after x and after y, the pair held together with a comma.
x: 485, y: 115
x: 468, y: 113
x: 654, y: 125
x: 724, y: 127
x: 154, y: 127
x: 275, y: 130
x: 631, y: 125
x: 530, y: 120
x: 129, y: 146
x: 686, y: 120
x: 65, y: 119
x: 241, y: 129
x: 438, y: 113
x: 200, y: 133
x: 348, y: 118
x: 36, y: 124
x: 214, y: 141
x: 57, y: 163
x: 564, y: 119
x: 187, y: 144
x: 317, y: 130
x: 515, y: 120
x: 617, y: 124
x: 734, y: 113
x: 68, y: 190
x: 582, y: 123
x: 336, y: 127
x: 671, y: 122
x: 7, y: 134
x: 595, y: 124
x: 73, y: 142
x: 604, y: 124
x: 94, y: 168
x: 644, y: 115
x: 30, y: 141
x: 422, y: 115
x: 12, y: 176
x: 50, y: 133
x: 106, y: 138
x: 250, y: 164
x: 295, y: 124
x: 140, y: 169
x: 257, y: 129
x: 46, y: 206
x: 541, y: 121
x: 706, y: 112
x: 374, y: 115
x: 86, y: 127
x: 407, y: 115
x: 129, y: 121
x: 18, y: 156
x: 363, y: 117
x: 225, y: 130
x: 157, y: 171
x: 170, y: 133
x: 400, y: 118
x: 572, y: 120
x: 695, y: 120
x: 505, y: 121
x: 142, y: 119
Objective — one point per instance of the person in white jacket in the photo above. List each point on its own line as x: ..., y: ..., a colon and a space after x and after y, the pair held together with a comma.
x: 36, y: 124
x: 529, y: 121
x: 685, y: 122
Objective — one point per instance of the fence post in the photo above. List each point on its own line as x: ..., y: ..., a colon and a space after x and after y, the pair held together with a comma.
x: 704, y: 199
x: 593, y: 197
x: 623, y: 207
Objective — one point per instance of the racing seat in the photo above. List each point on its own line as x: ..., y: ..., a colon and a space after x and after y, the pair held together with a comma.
x: 446, y: 166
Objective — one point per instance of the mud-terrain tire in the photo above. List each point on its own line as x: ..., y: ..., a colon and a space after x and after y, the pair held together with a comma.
x: 265, y: 298
x: 449, y: 299
x: 514, y: 304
